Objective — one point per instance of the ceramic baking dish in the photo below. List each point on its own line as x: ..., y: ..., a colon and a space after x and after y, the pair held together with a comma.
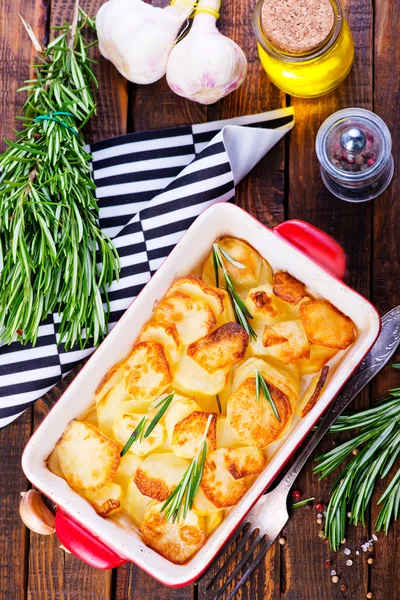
x: 294, y: 246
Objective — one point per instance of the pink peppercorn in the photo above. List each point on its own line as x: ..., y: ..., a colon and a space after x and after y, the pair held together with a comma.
x: 370, y: 162
x: 296, y: 494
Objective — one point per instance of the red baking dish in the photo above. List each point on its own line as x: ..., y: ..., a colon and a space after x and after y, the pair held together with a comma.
x: 294, y: 246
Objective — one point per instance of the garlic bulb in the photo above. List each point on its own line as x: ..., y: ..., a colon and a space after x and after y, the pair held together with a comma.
x: 35, y: 514
x: 206, y: 65
x: 138, y: 37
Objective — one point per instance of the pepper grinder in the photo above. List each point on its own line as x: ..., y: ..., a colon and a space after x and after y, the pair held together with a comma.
x: 354, y: 148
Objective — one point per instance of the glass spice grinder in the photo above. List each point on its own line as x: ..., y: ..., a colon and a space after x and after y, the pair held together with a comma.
x: 354, y: 148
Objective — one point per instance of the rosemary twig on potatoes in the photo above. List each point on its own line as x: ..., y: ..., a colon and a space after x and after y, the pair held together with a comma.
x: 182, y: 497
x: 373, y: 452
x: 241, y: 311
x: 53, y: 255
x: 262, y: 385
x: 139, y: 433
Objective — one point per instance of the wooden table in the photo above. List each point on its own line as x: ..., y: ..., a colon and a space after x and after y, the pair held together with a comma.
x: 286, y: 184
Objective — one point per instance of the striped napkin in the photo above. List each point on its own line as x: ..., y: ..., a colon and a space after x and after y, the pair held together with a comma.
x: 150, y: 188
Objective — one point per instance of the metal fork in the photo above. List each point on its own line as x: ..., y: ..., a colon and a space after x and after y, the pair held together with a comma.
x: 267, y: 518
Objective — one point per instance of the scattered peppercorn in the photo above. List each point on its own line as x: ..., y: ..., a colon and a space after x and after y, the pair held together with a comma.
x: 370, y: 595
x: 319, y: 521
x: 343, y: 587
x: 328, y: 563
x: 319, y: 507
x: 349, y: 162
x: 282, y: 541
x: 296, y: 494
x: 335, y: 579
x: 370, y: 561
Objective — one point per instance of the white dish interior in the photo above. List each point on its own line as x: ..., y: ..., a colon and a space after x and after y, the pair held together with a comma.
x: 190, y: 251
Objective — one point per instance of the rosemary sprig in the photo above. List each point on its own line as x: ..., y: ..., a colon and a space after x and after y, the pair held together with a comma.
x: 373, y: 451
x: 302, y: 502
x: 139, y: 433
x: 261, y: 384
x: 182, y: 497
x: 53, y: 255
x: 242, y: 313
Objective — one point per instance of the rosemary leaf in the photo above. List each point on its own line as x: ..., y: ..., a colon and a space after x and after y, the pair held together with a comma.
x: 302, y: 502
x: 261, y: 384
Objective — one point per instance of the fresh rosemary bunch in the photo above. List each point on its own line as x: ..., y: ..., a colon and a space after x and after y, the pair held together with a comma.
x: 53, y: 255
x: 261, y: 384
x: 182, y: 498
x: 141, y: 432
x: 241, y: 311
x: 373, y: 452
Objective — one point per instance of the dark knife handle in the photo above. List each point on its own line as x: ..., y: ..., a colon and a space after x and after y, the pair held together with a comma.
x: 379, y: 355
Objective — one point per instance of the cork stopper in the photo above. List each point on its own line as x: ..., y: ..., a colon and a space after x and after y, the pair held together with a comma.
x: 297, y: 26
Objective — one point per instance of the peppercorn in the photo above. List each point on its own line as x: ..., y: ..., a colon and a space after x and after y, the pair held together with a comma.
x: 335, y: 579
x: 319, y: 507
x: 370, y: 561
x: 370, y: 595
x: 343, y: 587
x: 282, y: 541
x: 296, y: 494
x: 319, y: 521
x: 328, y: 563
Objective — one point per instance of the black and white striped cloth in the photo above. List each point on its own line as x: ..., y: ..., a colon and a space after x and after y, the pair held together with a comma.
x: 150, y: 188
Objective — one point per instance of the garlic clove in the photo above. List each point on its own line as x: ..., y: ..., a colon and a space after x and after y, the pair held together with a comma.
x: 138, y: 37
x: 35, y: 514
x: 205, y: 65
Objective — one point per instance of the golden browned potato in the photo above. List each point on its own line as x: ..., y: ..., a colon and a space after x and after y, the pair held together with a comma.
x: 165, y: 334
x: 127, y: 469
x: 107, y: 500
x: 203, y: 506
x: 254, y: 421
x: 200, y: 290
x: 189, y: 432
x: 159, y: 474
x: 191, y: 379
x: 256, y: 269
x: 288, y: 288
x: 109, y: 404
x: 228, y: 314
x: 135, y: 503
x: 313, y: 392
x: 125, y: 424
x: 212, y: 521
x: 176, y: 541
x: 325, y: 325
x: 225, y: 471
x: 220, y: 349
x: 111, y: 378
x: 180, y: 408
x: 88, y: 459
x: 265, y: 307
x: 193, y: 318
x: 294, y: 346
x: 147, y: 372
x: 319, y: 356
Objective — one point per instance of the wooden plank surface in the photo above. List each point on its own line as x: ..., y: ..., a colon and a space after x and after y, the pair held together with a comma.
x: 286, y: 184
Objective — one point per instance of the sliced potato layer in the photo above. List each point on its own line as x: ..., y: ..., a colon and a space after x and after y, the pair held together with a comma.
x: 147, y: 372
x: 313, y: 392
x: 256, y: 269
x: 254, y: 421
x: 111, y: 378
x: 180, y: 408
x: 127, y: 469
x: 325, y: 325
x: 288, y: 288
x: 189, y: 432
x: 225, y: 470
x: 107, y: 500
x: 125, y: 424
x: 135, y: 503
x: 192, y: 380
x: 294, y: 346
x: 159, y: 474
x: 175, y: 541
x: 109, y: 404
x: 220, y: 349
x: 193, y: 318
x: 88, y: 459
x: 165, y: 334
x: 199, y: 289
x: 319, y: 356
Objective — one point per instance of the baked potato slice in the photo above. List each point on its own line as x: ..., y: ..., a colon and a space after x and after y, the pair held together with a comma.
x: 176, y: 541
x: 111, y: 378
x: 53, y: 463
x: 228, y: 314
x: 319, y: 356
x: 193, y: 317
x: 159, y: 474
x: 191, y: 379
x: 107, y: 500
x: 224, y: 480
x: 288, y: 288
x: 135, y: 503
x: 265, y: 307
x: 88, y: 459
x: 109, y: 404
x: 200, y: 290
x: 147, y: 372
x: 165, y: 334
x: 226, y: 437
x: 254, y: 421
x: 188, y: 434
x: 220, y: 349
x: 325, y: 325
x: 295, y: 345
x: 125, y: 424
x: 212, y: 521
x: 256, y: 269
x: 127, y: 469
x: 180, y: 408
x: 313, y: 392
x: 203, y: 506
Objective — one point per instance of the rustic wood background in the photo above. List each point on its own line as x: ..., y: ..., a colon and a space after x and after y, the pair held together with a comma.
x: 286, y: 184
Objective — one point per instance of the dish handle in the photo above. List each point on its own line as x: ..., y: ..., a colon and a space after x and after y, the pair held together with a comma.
x: 83, y: 544
x: 316, y: 244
